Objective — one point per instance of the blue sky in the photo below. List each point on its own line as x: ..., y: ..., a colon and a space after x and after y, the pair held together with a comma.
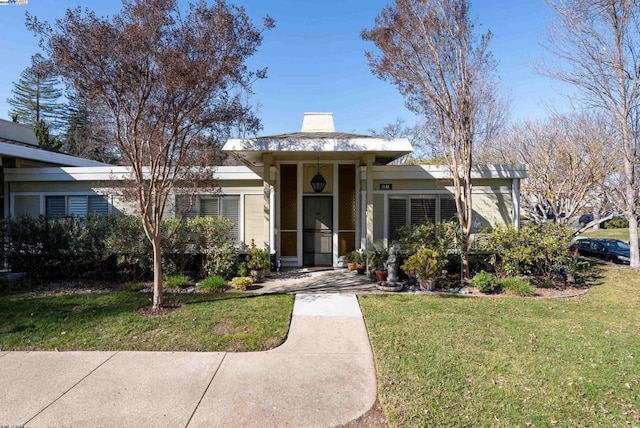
x: 316, y: 58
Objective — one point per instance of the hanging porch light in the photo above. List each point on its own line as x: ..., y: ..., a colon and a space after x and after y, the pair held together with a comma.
x: 318, y: 182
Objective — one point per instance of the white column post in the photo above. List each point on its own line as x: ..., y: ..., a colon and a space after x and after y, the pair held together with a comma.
x: 336, y: 207
x: 515, y: 200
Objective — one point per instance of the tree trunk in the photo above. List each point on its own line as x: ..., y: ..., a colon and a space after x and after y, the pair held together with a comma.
x: 157, y: 273
x: 464, y: 257
x: 633, y: 240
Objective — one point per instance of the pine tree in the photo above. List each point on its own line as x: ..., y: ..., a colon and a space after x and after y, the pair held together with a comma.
x: 35, y: 96
x: 44, y: 137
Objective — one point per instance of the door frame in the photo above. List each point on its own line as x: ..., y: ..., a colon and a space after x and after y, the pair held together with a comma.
x: 331, y: 229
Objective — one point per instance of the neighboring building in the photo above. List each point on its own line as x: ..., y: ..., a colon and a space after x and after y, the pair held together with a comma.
x: 19, y: 150
x: 311, y: 195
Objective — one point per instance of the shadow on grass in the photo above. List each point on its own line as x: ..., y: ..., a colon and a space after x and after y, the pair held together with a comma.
x: 29, y: 314
x: 595, y: 275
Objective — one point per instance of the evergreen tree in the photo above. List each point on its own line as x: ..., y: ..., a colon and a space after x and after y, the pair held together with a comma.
x: 44, y: 137
x: 35, y: 96
x: 87, y: 131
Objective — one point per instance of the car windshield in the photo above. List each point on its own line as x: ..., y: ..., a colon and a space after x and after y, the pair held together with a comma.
x: 616, y: 245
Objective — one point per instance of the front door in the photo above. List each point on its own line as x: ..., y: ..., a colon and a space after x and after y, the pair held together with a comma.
x: 318, y: 231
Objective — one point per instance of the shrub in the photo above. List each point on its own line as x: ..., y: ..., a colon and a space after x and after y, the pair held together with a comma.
x: 616, y: 223
x: 99, y: 245
x: 424, y: 265
x: 258, y: 258
x: 126, y: 240
x: 221, y: 261
x: 241, y: 282
x: 442, y: 237
x: 517, y: 287
x: 485, y: 282
x: 55, y: 248
x: 213, y: 284
x: 533, y: 250
x: 176, y: 281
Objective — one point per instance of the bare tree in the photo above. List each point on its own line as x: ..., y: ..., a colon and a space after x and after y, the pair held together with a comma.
x: 419, y: 135
x: 167, y: 81
x: 597, y: 42
x: 430, y: 50
x: 569, y: 159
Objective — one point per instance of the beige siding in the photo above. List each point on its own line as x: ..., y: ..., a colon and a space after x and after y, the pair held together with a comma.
x: 491, y: 209
x: 254, y: 220
x: 309, y: 171
x: 495, y: 185
x: 54, y: 187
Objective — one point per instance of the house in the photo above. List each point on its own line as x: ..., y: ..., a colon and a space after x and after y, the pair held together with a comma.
x: 311, y: 196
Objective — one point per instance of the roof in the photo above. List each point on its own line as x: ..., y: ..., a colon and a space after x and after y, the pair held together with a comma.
x: 317, y: 139
x: 19, y: 141
x: 17, y: 149
x: 323, y: 145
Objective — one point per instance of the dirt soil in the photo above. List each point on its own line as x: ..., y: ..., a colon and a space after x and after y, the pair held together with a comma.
x: 374, y: 418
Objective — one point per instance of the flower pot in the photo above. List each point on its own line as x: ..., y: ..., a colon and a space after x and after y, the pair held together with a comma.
x: 381, y: 275
x: 351, y: 266
x: 428, y: 284
x: 360, y: 269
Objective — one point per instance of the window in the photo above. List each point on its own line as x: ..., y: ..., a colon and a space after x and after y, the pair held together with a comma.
x: 78, y: 206
x: 227, y: 206
x: 417, y: 209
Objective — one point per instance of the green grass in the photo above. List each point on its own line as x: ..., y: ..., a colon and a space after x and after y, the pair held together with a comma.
x: 505, y: 362
x: 622, y: 234
x: 110, y: 321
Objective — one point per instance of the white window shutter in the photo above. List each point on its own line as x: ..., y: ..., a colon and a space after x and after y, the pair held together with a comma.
x: 98, y: 205
x: 397, y: 216
x: 55, y: 206
x: 209, y: 207
x: 78, y: 206
x: 230, y: 208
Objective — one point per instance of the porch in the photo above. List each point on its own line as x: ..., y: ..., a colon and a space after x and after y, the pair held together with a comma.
x: 303, y: 280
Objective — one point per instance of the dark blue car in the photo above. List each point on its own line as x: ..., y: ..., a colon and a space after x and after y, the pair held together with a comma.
x: 613, y: 250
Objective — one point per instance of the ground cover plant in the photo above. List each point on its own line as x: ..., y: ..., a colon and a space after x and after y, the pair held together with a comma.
x: 509, y: 361
x: 114, y: 321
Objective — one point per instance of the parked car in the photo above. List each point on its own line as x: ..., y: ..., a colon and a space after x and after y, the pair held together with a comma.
x: 585, y: 218
x: 613, y: 250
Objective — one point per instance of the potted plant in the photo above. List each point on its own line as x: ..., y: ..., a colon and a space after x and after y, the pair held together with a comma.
x: 377, y: 261
x: 351, y: 257
x: 359, y: 261
x: 258, y: 261
x: 424, y: 266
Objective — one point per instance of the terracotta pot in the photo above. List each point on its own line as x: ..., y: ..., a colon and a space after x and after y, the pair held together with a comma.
x: 351, y: 266
x: 381, y: 275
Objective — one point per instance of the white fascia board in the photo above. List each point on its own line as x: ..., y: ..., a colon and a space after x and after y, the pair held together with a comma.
x: 318, y: 145
x: 109, y: 173
x: 439, y: 172
x: 13, y: 150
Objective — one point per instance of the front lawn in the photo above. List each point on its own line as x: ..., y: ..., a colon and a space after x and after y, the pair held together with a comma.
x: 510, y: 361
x: 622, y: 234
x: 111, y: 321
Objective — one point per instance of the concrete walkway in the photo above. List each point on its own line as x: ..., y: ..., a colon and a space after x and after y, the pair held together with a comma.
x: 322, y: 376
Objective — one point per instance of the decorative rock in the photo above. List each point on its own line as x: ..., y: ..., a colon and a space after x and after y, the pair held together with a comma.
x: 390, y: 286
